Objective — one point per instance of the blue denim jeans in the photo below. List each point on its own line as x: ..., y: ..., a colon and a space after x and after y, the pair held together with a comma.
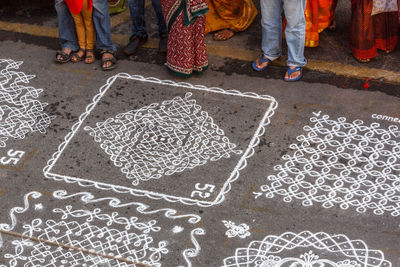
x: 295, y: 32
x: 136, y: 7
x: 101, y: 20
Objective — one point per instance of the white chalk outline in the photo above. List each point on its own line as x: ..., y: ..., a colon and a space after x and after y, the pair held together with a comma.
x: 154, y: 195
x: 356, y: 250
x: 88, y: 198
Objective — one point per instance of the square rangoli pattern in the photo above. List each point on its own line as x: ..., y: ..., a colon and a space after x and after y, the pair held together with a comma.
x: 162, y: 139
x: 341, y: 163
x: 168, y: 140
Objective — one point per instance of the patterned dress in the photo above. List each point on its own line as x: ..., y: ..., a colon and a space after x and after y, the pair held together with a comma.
x: 371, y: 32
x: 186, y: 52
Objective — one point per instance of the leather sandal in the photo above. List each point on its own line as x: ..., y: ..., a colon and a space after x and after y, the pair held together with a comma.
x: 89, y: 57
x: 62, y: 57
x: 111, y: 59
x: 76, y: 57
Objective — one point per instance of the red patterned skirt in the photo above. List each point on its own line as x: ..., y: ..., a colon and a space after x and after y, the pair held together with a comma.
x: 186, y: 53
x: 369, y: 33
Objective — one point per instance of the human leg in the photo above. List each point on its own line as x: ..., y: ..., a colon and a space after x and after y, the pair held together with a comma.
x: 102, y: 24
x: 66, y: 29
x: 162, y: 26
x: 101, y: 20
x: 139, y: 35
x: 90, y: 32
x: 271, y: 23
x: 80, y: 31
x: 295, y: 33
x: 136, y: 9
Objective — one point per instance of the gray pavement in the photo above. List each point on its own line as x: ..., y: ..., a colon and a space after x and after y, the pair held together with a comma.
x: 120, y: 169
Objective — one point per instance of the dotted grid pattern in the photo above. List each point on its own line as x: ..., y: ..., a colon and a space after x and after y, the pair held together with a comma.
x: 341, y: 163
x: 263, y: 253
x: 20, y: 111
x: 162, y: 139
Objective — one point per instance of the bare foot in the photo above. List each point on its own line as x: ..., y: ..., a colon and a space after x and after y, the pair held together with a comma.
x: 224, y: 35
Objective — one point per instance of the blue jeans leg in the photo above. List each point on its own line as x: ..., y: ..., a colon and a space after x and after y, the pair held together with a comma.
x: 295, y: 31
x: 102, y: 24
x: 66, y: 26
x: 136, y: 8
x: 162, y: 27
x: 271, y: 23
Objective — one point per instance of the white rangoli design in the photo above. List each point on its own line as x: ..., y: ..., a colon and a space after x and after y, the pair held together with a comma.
x: 20, y: 111
x: 92, y: 237
x: 162, y: 139
x: 341, y: 163
x: 337, y: 250
x: 241, y: 230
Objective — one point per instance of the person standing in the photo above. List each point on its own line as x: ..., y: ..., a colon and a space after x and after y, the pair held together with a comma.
x: 271, y: 22
x: 374, y: 25
x: 81, y: 11
x: 139, y: 34
x: 186, y: 53
x: 68, y: 37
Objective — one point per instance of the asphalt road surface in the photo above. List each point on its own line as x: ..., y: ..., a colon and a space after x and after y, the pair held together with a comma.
x: 135, y: 167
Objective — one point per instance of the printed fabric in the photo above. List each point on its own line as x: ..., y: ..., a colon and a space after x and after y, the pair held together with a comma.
x: 186, y: 52
x: 381, y: 6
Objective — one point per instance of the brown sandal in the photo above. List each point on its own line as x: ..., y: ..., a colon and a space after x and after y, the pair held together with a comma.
x: 89, y: 58
x: 76, y: 57
x: 223, y: 35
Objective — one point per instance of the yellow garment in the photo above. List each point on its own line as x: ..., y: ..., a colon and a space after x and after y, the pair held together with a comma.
x: 84, y: 27
x: 319, y: 14
x: 230, y: 14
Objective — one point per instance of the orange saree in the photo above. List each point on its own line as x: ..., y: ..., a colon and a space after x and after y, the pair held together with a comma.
x: 319, y: 14
x: 229, y: 14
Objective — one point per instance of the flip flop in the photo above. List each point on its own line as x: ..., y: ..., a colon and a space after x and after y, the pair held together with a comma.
x: 261, y: 61
x: 291, y: 71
